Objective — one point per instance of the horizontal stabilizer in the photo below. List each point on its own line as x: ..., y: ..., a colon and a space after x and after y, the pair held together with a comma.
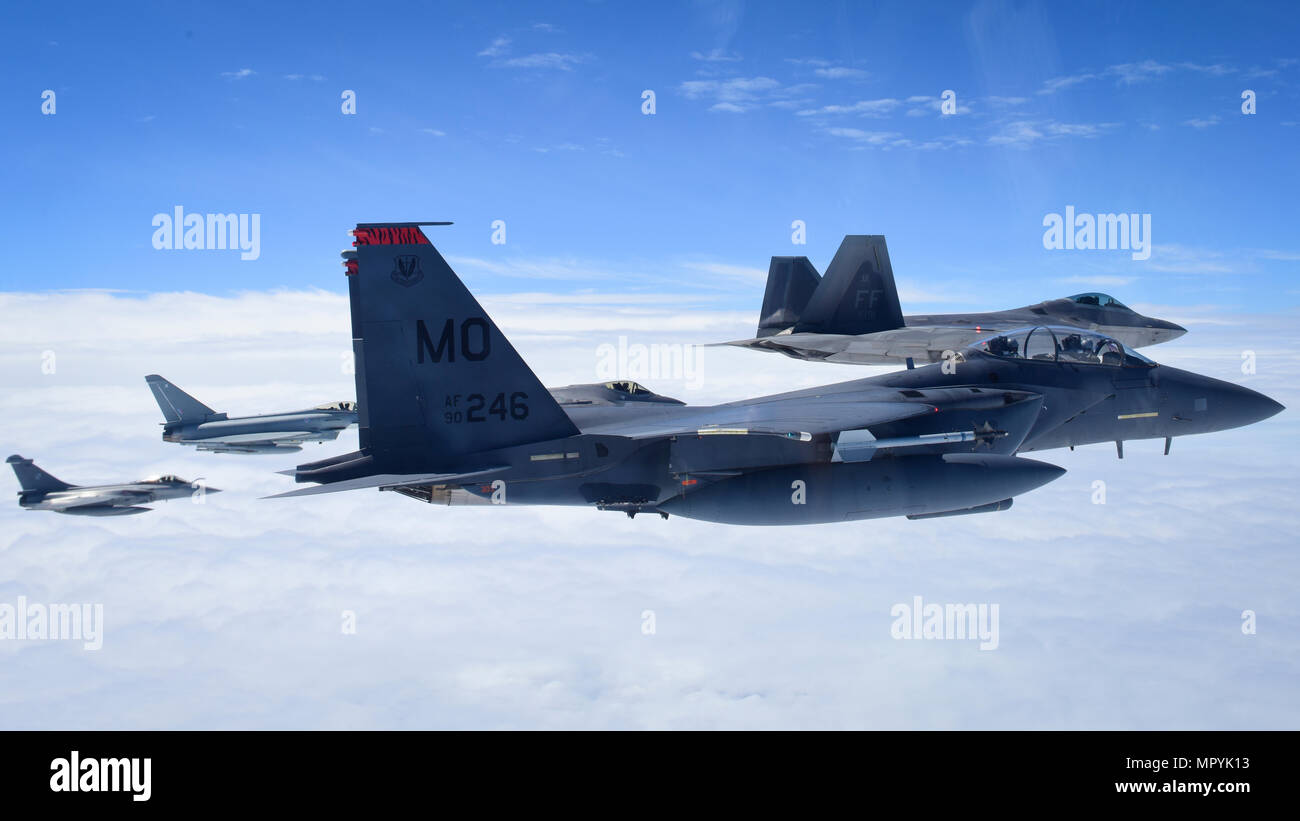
x: 386, y: 480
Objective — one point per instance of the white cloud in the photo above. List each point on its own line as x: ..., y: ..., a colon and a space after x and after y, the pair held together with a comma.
x: 1024, y: 133
x: 861, y: 138
x: 718, y: 269
x: 737, y: 89
x: 1203, y: 122
x: 859, y: 135
x: 1287, y: 256
x: 1054, y: 85
x: 496, y: 48
x: 863, y: 108
x: 551, y: 59
x: 238, y: 75
x: 1183, y: 259
x: 1214, y: 70
x: 1130, y: 73
x: 716, y: 55
x: 841, y: 73
x: 1135, y: 73
x: 228, y: 614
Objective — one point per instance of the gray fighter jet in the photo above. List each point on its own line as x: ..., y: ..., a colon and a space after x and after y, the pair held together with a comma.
x: 449, y: 413
x: 852, y: 314
x: 41, y: 491
x: 190, y: 422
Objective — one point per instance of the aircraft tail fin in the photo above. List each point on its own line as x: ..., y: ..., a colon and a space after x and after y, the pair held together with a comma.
x: 857, y: 293
x: 33, y: 479
x: 176, y: 405
x: 436, y: 379
x: 791, y: 282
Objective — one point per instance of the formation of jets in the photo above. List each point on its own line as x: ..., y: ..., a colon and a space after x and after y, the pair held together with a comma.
x: 187, y: 421
x: 449, y: 413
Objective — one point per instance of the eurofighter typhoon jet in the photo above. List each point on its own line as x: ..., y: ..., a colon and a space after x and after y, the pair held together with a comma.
x: 41, y: 491
x: 190, y: 422
x: 852, y: 314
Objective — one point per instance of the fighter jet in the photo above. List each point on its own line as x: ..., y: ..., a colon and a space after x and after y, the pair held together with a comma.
x: 41, y: 491
x: 1094, y: 389
x: 190, y: 422
x: 450, y: 413
x: 852, y: 314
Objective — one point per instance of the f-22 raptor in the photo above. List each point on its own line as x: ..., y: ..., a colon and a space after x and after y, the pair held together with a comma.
x: 449, y: 413
x: 852, y: 314
x: 190, y: 422
x: 41, y: 491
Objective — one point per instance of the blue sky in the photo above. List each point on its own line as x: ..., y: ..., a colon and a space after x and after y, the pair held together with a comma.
x: 764, y: 115
x: 649, y: 229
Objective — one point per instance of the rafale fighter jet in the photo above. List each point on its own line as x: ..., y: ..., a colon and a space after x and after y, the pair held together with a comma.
x: 852, y: 314
x: 449, y: 413
x: 190, y: 422
x: 41, y: 491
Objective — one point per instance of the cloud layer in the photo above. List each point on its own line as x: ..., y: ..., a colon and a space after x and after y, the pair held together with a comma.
x: 229, y: 614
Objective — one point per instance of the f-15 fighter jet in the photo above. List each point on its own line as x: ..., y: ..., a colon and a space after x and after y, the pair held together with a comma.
x: 450, y: 413
x: 41, y: 491
x: 852, y: 314
x: 190, y: 422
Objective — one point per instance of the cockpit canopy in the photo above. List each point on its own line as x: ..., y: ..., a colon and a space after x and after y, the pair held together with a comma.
x: 1062, y: 344
x: 629, y: 388
x: 1101, y: 300
x: 608, y: 393
x: 351, y: 407
x: 167, y: 479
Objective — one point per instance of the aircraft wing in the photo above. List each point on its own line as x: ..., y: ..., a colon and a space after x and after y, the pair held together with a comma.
x: 783, y: 417
x: 101, y: 497
x: 385, y: 480
x: 922, y: 343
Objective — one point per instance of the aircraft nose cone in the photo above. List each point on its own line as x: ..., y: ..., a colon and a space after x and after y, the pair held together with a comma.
x: 1243, y: 406
x: 1170, y: 330
x: 1260, y: 407
x: 211, y: 490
